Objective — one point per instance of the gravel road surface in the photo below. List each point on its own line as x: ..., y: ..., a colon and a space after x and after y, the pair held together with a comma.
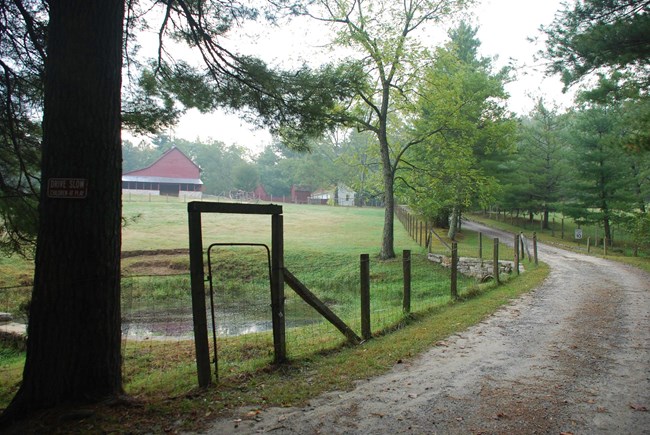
x: 571, y: 357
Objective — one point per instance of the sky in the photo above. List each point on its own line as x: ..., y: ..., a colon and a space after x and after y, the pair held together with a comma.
x: 505, y: 27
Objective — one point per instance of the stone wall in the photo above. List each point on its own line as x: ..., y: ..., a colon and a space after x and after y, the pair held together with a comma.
x: 479, y: 269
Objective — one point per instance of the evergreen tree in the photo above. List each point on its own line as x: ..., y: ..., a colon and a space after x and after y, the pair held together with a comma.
x: 601, y: 190
x: 542, y: 161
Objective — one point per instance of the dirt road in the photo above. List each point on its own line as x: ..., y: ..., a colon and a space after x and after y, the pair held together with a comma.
x: 573, y: 356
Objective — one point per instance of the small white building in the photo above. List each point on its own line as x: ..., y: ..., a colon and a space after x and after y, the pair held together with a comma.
x: 344, y: 195
x: 337, y: 195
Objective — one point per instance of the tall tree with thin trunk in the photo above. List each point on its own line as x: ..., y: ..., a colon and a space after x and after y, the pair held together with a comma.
x: 384, y: 34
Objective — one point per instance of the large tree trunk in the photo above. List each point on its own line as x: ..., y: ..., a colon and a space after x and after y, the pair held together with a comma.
x: 73, y: 347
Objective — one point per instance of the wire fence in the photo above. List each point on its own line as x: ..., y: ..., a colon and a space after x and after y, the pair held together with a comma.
x: 157, y: 310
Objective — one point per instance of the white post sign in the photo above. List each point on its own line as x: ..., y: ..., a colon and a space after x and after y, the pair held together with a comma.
x: 578, y: 233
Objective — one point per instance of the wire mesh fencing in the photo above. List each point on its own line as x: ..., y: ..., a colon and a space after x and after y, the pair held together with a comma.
x: 157, y: 322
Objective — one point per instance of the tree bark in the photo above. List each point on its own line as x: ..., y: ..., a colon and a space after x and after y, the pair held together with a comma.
x: 453, y: 224
x: 73, y: 347
x: 545, y: 224
x: 387, y: 241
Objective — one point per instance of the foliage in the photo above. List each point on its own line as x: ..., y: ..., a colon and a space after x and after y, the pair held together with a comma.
x: 297, y: 104
x: 245, y: 177
x: 462, y: 100
x: 638, y: 225
x: 602, y: 186
x: 382, y: 35
x: 538, y: 172
x: 608, y: 39
x: 601, y: 34
x: 22, y: 40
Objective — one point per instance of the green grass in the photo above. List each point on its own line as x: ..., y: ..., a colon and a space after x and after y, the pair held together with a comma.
x: 322, y: 248
x: 168, y: 400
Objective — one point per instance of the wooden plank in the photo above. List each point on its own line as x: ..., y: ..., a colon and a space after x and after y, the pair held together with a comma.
x: 231, y: 207
x: 440, y: 239
x: 319, y: 306
x: 516, y: 253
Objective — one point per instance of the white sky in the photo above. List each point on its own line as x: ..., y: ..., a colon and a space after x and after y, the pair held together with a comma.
x: 504, y: 29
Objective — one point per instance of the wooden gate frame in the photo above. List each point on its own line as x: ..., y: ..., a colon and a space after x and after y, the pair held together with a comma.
x: 194, y: 210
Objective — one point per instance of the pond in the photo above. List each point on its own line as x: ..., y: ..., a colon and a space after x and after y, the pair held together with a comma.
x: 230, y: 320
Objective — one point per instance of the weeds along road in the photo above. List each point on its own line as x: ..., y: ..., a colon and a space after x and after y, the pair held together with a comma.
x: 573, y: 356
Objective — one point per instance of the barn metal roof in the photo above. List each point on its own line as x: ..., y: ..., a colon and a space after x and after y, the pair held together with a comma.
x: 145, y: 179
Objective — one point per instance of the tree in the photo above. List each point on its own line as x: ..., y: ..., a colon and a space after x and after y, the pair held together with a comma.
x: 600, y: 34
x: 611, y: 40
x: 73, y: 348
x: 21, y: 94
x: 602, y: 188
x: 383, y: 33
x: 245, y: 177
x: 462, y: 99
x: 541, y: 163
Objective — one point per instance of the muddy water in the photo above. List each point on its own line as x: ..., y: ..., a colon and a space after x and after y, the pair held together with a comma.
x: 173, y: 323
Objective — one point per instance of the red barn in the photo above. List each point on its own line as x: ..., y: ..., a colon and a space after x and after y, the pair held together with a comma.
x: 173, y: 174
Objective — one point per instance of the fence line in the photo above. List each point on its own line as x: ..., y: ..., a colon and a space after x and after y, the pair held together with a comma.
x: 156, y: 308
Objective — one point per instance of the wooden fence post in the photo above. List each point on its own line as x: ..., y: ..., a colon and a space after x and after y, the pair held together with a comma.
x: 426, y: 234
x: 535, y: 247
x: 366, y: 332
x: 562, y: 228
x: 588, y: 245
x: 605, y: 246
x: 277, y: 288
x: 199, y: 316
x: 516, y: 253
x: 454, y: 270
x: 495, y: 260
x: 480, y: 245
x: 406, y: 267
x: 521, y: 247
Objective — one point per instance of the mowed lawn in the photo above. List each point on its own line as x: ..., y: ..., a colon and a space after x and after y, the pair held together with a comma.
x: 163, y: 224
